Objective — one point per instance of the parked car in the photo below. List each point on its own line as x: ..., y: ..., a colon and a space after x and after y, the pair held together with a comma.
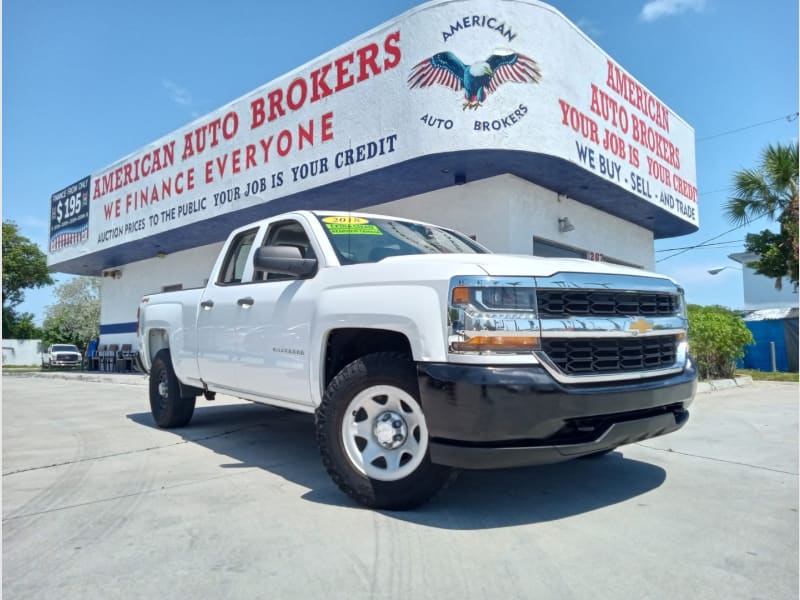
x: 61, y: 355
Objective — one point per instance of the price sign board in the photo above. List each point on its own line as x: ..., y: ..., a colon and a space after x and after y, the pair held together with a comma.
x: 69, y: 215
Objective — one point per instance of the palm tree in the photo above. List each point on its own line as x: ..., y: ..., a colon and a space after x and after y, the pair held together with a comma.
x: 770, y: 190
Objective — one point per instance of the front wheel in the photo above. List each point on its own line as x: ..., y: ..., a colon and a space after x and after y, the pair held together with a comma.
x: 373, y: 437
x: 168, y: 407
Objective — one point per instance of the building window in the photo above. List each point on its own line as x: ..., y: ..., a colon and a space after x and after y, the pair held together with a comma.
x: 549, y: 249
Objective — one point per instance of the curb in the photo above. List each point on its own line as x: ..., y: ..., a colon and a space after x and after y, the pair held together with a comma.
x: 123, y: 378
x: 706, y: 387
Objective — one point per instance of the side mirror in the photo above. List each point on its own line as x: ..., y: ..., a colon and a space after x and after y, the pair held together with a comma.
x: 286, y: 260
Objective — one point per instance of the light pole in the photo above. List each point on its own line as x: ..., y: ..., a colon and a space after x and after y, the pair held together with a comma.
x: 717, y: 270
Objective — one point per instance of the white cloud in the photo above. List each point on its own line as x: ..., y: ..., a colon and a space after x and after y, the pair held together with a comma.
x: 589, y: 28
x: 179, y: 95
x: 655, y: 9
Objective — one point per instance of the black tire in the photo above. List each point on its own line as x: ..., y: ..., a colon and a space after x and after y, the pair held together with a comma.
x: 378, y: 387
x: 168, y: 407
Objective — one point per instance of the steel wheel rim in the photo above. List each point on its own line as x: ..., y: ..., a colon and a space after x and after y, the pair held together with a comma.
x: 364, y: 435
x: 163, y: 390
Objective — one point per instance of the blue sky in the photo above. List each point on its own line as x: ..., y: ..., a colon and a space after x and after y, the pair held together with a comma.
x: 87, y: 82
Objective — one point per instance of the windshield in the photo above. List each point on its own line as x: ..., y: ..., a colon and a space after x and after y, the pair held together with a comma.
x: 364, y: 240
x: 64, y: 348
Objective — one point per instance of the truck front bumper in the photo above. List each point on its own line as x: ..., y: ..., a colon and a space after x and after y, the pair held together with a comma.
x: 484, y: 417
x: 66, y: 363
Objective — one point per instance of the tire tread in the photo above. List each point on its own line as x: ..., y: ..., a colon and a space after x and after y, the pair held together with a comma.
x: 427, y: 482
x: 181, y: 408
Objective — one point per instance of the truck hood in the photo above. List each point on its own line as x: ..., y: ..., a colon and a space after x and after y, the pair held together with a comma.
x: 521, y: 265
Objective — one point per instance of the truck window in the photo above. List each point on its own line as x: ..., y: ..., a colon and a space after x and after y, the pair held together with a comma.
x: 365, y: 240
x: 64, y: 348
x: 236, y: 259
x: 286, y: 233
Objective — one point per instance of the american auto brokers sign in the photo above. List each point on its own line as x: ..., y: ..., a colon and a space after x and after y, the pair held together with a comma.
x: 468, y: 75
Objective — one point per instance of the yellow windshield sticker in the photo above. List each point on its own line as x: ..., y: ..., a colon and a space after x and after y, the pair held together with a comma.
x: 345, y: 220
x: 352, y: 229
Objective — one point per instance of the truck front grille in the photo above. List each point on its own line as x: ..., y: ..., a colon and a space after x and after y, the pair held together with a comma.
x: 596, y: 356
x: 67, y: 358
x: 562, y: 303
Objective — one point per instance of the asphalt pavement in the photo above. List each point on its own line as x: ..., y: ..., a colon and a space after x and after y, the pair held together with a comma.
x: 99, y: 503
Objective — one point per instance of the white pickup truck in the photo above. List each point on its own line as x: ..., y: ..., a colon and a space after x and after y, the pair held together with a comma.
x: 61, y: 355
x: 419, y: 351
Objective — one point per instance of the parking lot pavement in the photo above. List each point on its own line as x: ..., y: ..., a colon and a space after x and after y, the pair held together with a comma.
x: 98, y: 503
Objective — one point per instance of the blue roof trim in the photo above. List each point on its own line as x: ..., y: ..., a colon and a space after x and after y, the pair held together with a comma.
x: 118, y: 328
x: 409, y: 178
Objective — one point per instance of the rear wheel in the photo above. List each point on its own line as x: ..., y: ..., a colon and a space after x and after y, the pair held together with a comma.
x: 168, y: 407
x: 373, y: 437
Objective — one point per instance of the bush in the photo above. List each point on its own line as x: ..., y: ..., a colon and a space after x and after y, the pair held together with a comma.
x: 717, y: 337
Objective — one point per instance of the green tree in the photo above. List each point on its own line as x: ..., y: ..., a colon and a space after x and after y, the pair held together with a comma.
x: 19, y: 326
x: 770, y: 189
x: 75, y: 318
x: 717, y: 337
x: 24, y: 266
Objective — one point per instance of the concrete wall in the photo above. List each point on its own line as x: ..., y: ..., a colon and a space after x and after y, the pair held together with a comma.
x: 121, y: 296
x: 506, y: 212
x: 760, y: 292
x: 22, y: 352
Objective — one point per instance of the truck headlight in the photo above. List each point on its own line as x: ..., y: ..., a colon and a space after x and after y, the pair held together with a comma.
x: 493, y: 315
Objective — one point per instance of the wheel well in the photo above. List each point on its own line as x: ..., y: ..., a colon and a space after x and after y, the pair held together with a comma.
x: 157, y: 339
x: 346, y: 345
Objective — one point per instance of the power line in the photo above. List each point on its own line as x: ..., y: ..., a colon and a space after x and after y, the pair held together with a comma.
x: 711, y: 239
x: 731, y: 242
x: 714, y: 191
x: 789, y: 118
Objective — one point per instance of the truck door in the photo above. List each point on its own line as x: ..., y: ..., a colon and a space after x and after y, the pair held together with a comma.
x: 275, y: 330
x: 219, y: 350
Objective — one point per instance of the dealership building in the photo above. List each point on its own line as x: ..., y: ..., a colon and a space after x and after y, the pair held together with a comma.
x: 497, y: 118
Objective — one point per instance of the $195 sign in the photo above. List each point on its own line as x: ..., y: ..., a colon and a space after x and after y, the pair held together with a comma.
x: 69, y: 215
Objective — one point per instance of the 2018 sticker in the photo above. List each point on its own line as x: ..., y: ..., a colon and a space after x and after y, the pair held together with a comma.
x: 345, y: 220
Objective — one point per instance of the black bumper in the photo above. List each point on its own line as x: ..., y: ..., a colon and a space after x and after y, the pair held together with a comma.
x: 483, y: 417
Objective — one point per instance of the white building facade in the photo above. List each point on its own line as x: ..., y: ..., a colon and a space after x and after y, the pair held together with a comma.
x: 499, y: 119
x: 760, y: 291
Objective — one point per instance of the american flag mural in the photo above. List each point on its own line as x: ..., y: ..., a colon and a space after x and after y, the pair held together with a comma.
x: 68, y: 238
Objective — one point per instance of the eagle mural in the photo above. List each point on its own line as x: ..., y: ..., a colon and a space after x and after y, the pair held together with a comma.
x: 477, y: 80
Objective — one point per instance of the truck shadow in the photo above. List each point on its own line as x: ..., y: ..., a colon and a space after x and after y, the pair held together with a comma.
x: 283, y: 443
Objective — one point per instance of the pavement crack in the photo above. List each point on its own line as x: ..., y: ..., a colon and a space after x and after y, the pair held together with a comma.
x: 721, y: 460
x: 144, y: 492
x: 114, y: 498
x: 129, y: 452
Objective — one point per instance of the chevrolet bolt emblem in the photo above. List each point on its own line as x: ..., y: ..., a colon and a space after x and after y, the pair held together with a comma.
x: 640, y: 326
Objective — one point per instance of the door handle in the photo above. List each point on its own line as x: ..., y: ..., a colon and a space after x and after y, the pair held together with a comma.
x: 245, y: 302
x: 206, y: 304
